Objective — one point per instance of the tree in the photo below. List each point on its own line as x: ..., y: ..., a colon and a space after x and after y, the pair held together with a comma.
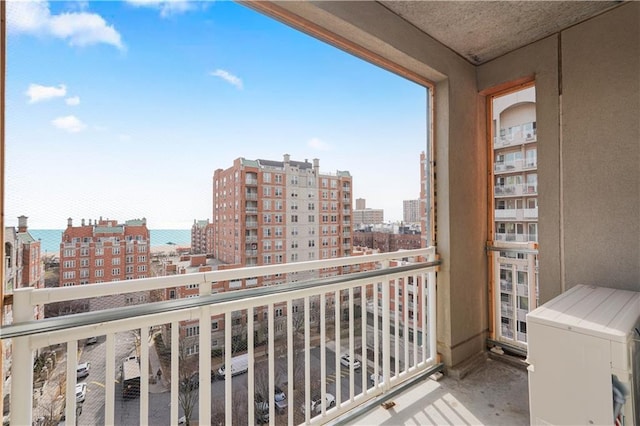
x: 188, y: 385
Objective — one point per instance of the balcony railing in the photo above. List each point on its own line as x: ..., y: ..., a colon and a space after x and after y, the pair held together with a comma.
x: 300, y: 352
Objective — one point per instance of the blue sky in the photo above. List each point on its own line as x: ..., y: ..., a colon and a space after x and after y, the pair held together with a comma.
x: 125, y: 109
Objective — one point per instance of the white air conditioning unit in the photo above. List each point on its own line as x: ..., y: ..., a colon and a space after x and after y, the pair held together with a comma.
x: 584, y: 358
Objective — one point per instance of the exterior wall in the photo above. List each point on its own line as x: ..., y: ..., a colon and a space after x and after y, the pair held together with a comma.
x: 589, y: 197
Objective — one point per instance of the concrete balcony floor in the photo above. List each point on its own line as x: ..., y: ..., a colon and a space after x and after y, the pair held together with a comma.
x: 494, y: 393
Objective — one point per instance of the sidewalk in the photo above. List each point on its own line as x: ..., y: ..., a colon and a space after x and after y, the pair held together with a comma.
x: 162, y: 385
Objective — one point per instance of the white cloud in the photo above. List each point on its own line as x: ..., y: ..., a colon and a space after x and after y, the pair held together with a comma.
x: 317, y: 144
x: 69, y: 123
x: 168, y: 7
x: 228, y: 77
x: 78, y: 28
x: 38, y: 93
x: 124, y: 137
x: 73, y: 101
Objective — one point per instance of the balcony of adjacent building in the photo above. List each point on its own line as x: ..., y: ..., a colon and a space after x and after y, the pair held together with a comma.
x: 514, y: 166
x: 520, y: 135
x: 297, y: 344
x: 517, y: 214
x: 515, y: 190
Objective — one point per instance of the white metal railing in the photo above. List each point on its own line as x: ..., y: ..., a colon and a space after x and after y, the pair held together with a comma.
x: 303, y: 352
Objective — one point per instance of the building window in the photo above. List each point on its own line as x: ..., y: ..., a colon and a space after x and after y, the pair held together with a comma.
x: 142, y: 258
x: 99, y: 273
x: 115, y: 271
x: 69, y: 253
x: 115, y: 261
x: 142, y: 268
x: 115, y: 250
x: 99, y: 262
x: 192, y: 331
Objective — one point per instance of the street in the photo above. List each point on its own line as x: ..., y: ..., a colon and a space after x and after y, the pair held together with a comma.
x: 127, y: 410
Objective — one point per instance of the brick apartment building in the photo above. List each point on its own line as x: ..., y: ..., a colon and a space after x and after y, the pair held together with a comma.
x: 386, y: 242
x: 23, y: 267
x: 268, y: 212
x: 104, y: 251
x: 201, y: 237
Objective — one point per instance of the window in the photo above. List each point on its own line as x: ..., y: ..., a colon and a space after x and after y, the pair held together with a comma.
x: 142, y: 268
x: 294, y: 218
x: 99, y: 262
x: 115, y: 250
x: 214, y: 325
x: 266, y: 177
x: 192, y: 331
x: 99, y: 273
x: 115, y: 271
x: 142, y: 258
x: 115, y: 261
x: 278, y: 178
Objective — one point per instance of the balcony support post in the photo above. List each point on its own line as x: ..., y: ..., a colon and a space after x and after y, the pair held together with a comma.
x: 204, y: 355
x: 386, y: 327
x: 22, y: 362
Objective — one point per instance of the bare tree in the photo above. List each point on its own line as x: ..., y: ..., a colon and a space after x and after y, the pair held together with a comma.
x: 188, y: 385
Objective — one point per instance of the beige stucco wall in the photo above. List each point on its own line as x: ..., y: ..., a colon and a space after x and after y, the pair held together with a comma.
x: 588, y: 149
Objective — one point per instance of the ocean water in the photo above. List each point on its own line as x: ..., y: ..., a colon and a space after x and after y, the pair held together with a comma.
x: 50, y: 238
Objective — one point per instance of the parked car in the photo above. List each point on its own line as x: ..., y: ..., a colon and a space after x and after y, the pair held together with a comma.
x: 316, y: 403
x: 372, y: 379
x: 280, y: 400
x: 82, y: 370
x: 346, y: 362
x: 81, y: 392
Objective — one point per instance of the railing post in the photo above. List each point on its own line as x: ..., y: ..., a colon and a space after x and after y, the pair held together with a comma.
x: 386, y: 329
x: 22, y: 362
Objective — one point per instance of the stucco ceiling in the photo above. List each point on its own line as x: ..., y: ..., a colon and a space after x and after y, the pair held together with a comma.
x: 481, y: 31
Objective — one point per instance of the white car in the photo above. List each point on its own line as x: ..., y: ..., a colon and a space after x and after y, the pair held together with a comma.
x: 81, y: 392
x: 82, y: 370
x: 280, y: 400
x: 346, y: 362
x: 316, y: 403
x: 372, y: 379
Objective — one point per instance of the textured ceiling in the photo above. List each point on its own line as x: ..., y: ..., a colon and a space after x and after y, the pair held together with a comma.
x: 481, y: 31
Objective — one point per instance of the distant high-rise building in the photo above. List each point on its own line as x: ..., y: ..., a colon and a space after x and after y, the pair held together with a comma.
x: 361, y: 204
x: 411, y: 211
x: 104, y: 251
x: 368, y: 216
x: 201, y: 237
x: 269, y: 212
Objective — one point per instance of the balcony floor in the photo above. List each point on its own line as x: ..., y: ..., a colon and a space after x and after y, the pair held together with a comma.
x: 495, y: 393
